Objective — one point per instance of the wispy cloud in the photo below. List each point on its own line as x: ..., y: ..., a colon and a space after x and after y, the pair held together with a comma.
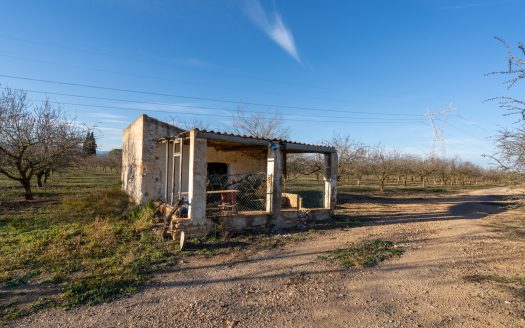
x: 106, y: 117
x: 175, y: 108
x: 472, y: 5
x: 271, y: 22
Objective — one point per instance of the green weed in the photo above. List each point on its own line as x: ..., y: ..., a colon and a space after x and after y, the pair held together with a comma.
x: 366, y: 254
x: 83, y: 234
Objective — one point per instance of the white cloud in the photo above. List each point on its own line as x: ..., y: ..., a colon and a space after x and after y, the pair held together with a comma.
x: 473, y: 5
x: 272, y: 24
x: 174, y: 108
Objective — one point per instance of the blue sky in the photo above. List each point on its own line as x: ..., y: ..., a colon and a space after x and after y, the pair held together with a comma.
x: 370, y: 69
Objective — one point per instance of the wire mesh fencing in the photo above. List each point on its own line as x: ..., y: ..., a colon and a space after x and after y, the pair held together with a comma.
x: 229, y: 194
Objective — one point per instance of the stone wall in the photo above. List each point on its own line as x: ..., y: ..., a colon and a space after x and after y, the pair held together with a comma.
x: 132, y: 160
x: 143, y: 159
x: 290, y: 219
x: 251, y: 223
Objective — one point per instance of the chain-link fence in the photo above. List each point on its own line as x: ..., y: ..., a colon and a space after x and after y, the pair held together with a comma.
x: 228, y: 194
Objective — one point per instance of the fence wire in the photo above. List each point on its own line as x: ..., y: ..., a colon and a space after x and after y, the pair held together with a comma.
x: 228, y: 194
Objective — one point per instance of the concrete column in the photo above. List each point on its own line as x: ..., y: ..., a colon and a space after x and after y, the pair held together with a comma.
x: 197, y: 179
x: 330, y: 180
x: 274, y: 179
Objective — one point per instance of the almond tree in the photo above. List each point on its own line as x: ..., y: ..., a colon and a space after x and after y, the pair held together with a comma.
x: 351, y: 156
x: 423, y: 167
x: 383, y: 164
x: 33, y: 139
x: 258, y: 124
x: 511, y: 141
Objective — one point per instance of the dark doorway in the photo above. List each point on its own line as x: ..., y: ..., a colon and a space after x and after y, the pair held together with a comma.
x: 217, y: 176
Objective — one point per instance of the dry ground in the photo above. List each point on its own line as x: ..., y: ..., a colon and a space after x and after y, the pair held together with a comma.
x: 461, y: 268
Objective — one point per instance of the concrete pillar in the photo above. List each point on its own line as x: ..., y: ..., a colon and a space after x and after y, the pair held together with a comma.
x: 330, y: 180
x: 197, y: 179
x: 274, y: 179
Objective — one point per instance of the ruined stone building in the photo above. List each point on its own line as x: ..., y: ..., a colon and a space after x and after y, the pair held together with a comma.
x: 210, y: 180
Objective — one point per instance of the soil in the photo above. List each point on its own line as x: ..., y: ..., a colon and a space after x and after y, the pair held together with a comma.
x: 447, y: 241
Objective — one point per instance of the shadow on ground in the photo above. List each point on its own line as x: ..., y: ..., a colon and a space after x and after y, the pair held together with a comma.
x: 454, y: 208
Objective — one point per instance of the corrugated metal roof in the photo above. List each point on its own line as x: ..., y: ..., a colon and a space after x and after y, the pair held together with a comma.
x: 299, y: 146
x: 260, y: 138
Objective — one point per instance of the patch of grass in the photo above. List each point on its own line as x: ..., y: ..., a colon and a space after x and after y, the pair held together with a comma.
x: 14, y: 282
x: 96, y: 289
x: 365, y: 254
x: 204, y: 251
x: 81, y: 234
x: 42, y: 303
x: 14, y: 313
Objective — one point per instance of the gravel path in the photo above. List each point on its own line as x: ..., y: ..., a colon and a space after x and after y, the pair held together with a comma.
x: 446, y: 239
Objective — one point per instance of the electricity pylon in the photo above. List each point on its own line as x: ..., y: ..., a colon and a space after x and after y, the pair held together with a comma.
x: 438, y: 120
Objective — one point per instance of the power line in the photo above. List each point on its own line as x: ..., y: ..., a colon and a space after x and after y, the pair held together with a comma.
x: 475, y: 123
x: 207, y: 107
x: 90, y: 86
x: 142, y: 76
x: 141, y: 60
x: 222, y: 116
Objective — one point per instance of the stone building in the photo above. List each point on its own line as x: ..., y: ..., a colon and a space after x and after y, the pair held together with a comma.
x: 209, y: 180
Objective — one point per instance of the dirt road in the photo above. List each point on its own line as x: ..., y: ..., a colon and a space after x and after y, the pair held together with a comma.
x: 449, y: 241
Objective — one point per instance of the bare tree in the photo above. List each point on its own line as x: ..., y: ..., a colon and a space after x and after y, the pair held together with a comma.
x: 114, y: 159
x: 511, y: 142
x: 258, y: 124
x: 423, y: 167
x: 445, y: 169
x: 190, y: 124
x: 33, y: 138
x: 298, y: 165
x: 406, y: 167
x: 352, y: 156
x: 383, y: 164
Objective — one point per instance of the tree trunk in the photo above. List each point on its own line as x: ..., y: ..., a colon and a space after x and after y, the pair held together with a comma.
x: 382, y: 187
x: 40, y: 179
x: 27, y: 188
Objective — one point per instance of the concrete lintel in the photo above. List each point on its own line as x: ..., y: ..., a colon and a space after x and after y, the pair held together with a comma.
x: 300, y: 148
